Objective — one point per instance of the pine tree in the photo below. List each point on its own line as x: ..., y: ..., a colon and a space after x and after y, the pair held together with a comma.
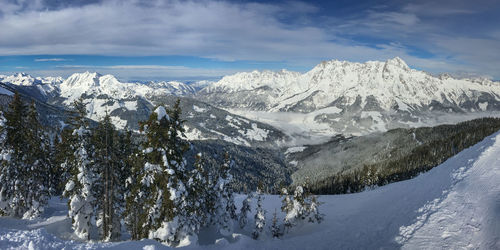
x: 245, y: 209
x: 4, y: 158
x: 200, y: 207
x: 161, y: 187
x: 314, y: 216
x: 37, y: 159
x: 108, y: 165
x: 275, y: 227
x: 287, y: 208
x: 225, y: 210
x: 80, y: 187
x: 134, y: 196
x: 260, y: 216
x: 13, y: 171
x: 24, y: 169
x: 63, y: 155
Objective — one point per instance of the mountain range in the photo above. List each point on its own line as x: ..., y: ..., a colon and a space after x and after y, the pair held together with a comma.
x: 339, y: 97
x: 265, y: 119
x: 247, y: 108
x: 129, y: 103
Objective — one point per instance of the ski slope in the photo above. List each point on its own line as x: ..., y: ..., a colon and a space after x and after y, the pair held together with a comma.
x: 453, y: 206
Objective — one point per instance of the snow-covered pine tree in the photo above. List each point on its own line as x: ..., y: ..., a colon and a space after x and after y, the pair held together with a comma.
x: 3, y: 132
x: 161, y: 189
x: 260, y: 216
x: 245, y: 209
x: 63, y: 155
x: 109, y: 194
x: 37, y: 159
x: 287, y: 208
x: 13, y: 167
x: 127, y: 153
x: 200, y: 207
x: 135, y: 193
x: 4, y: 157
x: 225, y: 210
x: 23, y: 169
x: 228, y: 190
x: 51, y: 139
x: 303, y: 207
x: 314, y: 215
x: 275, y: 226
x: 80, y: 188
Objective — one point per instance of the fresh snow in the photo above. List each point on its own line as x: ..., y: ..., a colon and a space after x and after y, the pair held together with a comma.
x: 198, y: 109
x: 130, y: 105
x: 255, y: 133
x: 161, y: 112
x: 452, y: 206
x: 483, y: 106
x: 294, y: 150
x: 5, y: 92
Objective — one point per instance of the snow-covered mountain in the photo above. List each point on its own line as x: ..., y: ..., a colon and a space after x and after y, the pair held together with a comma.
x: 95, y: 84
x: 44, y: 85
x: 128, y: 103
x: 374, y: 95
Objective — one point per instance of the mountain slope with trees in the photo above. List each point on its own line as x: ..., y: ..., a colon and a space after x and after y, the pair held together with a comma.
x: 346, y: 165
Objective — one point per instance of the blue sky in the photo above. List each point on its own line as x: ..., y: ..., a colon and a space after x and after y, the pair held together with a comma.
x: 192, y: 40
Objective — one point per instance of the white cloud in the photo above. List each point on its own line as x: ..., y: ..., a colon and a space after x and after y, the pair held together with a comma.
x: 50, y: 60
x: 236, y: 31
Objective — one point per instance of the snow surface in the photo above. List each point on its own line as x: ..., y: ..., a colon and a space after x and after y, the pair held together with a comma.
x: 161, y: 112
x: 198, y: 109
x: 5, y: 92
x: 453, y: 206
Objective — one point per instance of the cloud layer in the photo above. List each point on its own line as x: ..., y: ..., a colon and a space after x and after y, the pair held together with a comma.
x: 294, y: 32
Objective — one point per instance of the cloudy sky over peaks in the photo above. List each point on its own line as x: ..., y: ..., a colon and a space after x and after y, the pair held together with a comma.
x: 188, y: 40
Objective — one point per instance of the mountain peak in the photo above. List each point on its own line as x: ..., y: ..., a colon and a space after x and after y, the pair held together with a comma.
x: 21, y: 79
x: 85, y: 80
x: 397, y: 61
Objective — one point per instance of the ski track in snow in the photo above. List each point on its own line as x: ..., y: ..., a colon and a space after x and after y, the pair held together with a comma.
x: 453, y: 206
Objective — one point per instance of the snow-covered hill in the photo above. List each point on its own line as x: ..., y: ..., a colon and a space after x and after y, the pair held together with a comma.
x: 452, y: 206
x: 371, y: 96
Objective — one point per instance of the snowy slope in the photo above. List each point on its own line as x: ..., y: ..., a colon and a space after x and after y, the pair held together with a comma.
x: 453, y: 206
x: 4, y: 91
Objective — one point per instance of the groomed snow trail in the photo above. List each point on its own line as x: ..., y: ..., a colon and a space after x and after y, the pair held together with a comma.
x: 453, y: 206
